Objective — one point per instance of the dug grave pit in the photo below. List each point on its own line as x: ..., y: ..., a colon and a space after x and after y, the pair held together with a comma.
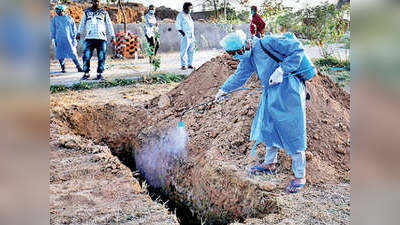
x: 211, y: 179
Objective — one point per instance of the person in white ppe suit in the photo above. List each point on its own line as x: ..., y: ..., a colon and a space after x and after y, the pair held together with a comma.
x: 184, y: 24
x: 151, y: 29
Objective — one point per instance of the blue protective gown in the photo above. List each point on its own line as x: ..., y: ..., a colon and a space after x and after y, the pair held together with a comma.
x: 281, y: 117
x: 63, y: 31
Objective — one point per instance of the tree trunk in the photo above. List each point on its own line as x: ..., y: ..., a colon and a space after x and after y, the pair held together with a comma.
x: 215, y: 9
x: 124, y: 16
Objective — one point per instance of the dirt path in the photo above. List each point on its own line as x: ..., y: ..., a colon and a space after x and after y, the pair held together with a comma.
x: 127, y: 68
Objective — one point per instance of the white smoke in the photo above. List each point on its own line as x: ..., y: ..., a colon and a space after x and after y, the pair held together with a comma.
x: 160, y: 154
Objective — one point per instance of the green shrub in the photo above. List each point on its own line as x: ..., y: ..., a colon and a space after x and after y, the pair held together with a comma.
x: 57, y: 88
x: 328, y: 65
x: 332, y: 62
x: 154, y: 79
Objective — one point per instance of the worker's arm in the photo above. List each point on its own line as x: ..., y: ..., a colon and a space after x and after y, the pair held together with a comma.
x: 178, y: 24
x: 73, y: 27
x: 73, y: 30
x: 146, y: 20
x: 109, y: 26
x: 241, y: 75
x: 82, y: 25
x: 252, y: 28
x: 293, y: 51
x: 261, y: 24
x: 53, y: 29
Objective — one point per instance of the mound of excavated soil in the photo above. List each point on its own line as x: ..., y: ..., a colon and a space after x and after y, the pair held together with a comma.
x: 133, y: 12
x: 213, y: 179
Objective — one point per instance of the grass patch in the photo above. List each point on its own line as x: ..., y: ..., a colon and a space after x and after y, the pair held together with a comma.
x: 338, y: 70
x: 86, y: 85
x: 333, y: 63
x: 167, y: 78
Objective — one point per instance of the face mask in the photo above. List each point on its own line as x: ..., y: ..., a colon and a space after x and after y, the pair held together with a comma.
x: 152, y: 11
x: 252, y: 12
x: 59, y: 12
x: 246, y: 54
x: 188, y: 11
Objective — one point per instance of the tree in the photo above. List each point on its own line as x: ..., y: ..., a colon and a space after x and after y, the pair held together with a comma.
x: 322, y: 25
x: 123, y: 14
x: 221, y: 4
x: 341, y: 3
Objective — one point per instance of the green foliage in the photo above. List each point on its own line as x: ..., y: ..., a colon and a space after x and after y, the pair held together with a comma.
x: 322, y: 24
x: 332, y: 62
x: 150, y: 52
x: 327, y: 65
x: 278, y: 17
x: 232, y: 16
x: 154, y: 79
x: 167, y: 78
x: 271, y: 8
x: 57, y: 88
x: 286, y: 21
x: 243, y: 15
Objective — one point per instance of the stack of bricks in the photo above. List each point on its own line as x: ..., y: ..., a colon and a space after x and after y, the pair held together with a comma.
x: 127, y: 45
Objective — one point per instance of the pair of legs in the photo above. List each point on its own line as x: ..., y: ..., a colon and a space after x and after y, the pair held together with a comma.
x: 76, y: 62
x: 298, y: 167
x: 88, y: 49
x: 154, y: 44
x: 187, y: 48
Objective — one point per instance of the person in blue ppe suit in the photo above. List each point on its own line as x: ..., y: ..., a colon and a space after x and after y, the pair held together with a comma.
x: 280, y: 121
x: 151, y: 30
x: 63, y: 33
x: 184, y: 24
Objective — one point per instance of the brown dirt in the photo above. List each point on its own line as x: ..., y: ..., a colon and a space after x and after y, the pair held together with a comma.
x: 328, y: 119
x: 215, y: 177
x: 133, y: 11
x: 88, y: 183
x: 213, y: 180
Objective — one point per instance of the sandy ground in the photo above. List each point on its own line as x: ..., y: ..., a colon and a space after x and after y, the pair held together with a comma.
x: 325, y: 204
x: 88, y: 185
x: 82, y: 191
